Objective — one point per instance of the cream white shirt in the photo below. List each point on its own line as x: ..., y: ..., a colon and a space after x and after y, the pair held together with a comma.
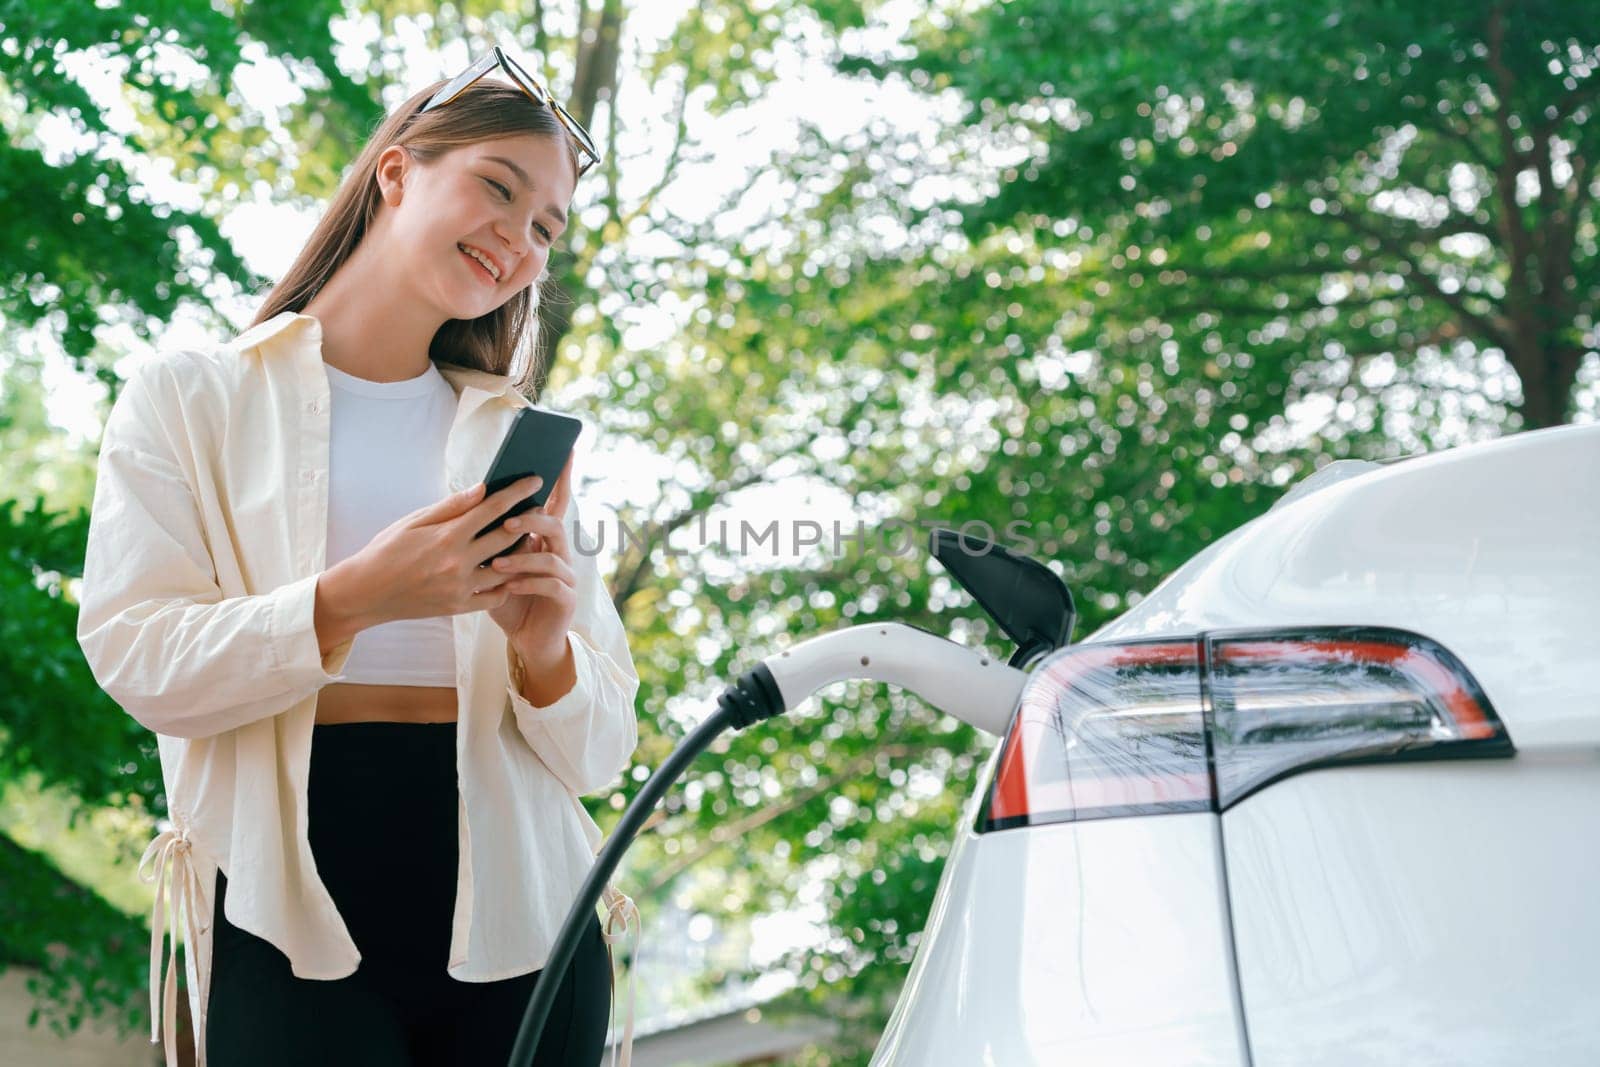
x: 207, y: 533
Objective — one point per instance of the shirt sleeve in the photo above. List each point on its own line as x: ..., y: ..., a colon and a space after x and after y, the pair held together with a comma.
x: 588, y: 735
x: 157, y: 633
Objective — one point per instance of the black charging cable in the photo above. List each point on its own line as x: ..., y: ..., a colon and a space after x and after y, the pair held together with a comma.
x: 753, y: 698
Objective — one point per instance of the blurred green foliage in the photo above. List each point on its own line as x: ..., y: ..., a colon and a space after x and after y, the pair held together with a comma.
x: 100, y: 968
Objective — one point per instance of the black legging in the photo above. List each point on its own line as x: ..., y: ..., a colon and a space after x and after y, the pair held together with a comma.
x: 381, y: 794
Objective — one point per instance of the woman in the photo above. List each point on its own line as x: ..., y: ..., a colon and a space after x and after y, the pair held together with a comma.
x: 372, y: 745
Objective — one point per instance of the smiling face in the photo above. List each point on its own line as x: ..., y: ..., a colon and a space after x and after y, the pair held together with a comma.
x: 475, y: 226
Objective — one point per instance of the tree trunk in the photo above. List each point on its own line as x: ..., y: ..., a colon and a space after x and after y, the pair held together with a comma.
x: 595, y: 80
x: 1548, y: 376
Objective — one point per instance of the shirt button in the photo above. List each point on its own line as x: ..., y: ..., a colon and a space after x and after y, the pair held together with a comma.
x: 314, y: 406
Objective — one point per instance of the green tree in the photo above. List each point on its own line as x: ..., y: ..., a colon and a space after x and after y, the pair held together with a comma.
x: 84, y: 244
x: 1104, y: 331
x: 1307, y: 189
x: 87, y: 249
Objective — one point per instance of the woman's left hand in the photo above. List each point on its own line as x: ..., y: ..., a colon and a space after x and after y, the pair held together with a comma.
x: 544, y: 586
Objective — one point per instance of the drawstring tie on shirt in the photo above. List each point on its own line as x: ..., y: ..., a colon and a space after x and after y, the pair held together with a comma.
x: 620, y: 908
x: 171, y: 849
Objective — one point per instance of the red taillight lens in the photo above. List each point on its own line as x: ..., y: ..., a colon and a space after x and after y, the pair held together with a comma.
x: 1106, y: 730
x: 1285, y: 703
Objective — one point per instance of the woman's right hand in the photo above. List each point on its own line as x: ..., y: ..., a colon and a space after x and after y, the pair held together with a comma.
x: 427, y: 563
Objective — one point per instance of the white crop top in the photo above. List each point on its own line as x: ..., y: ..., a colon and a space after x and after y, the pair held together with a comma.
x: 386, y: 460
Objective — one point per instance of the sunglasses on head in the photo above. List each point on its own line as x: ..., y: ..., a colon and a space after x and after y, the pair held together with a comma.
x: 529, y: 85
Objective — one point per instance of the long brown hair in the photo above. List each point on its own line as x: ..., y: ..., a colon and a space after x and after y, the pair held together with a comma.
x: 487, y: 109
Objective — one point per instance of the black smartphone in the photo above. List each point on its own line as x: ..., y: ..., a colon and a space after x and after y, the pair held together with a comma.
x: 538, y: 442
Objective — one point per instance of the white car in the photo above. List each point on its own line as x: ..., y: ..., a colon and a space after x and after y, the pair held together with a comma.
x: 1329, y: 795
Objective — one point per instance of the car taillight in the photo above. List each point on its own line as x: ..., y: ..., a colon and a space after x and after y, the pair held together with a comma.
x: 1198, y: 724
x: 1105, y: 730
